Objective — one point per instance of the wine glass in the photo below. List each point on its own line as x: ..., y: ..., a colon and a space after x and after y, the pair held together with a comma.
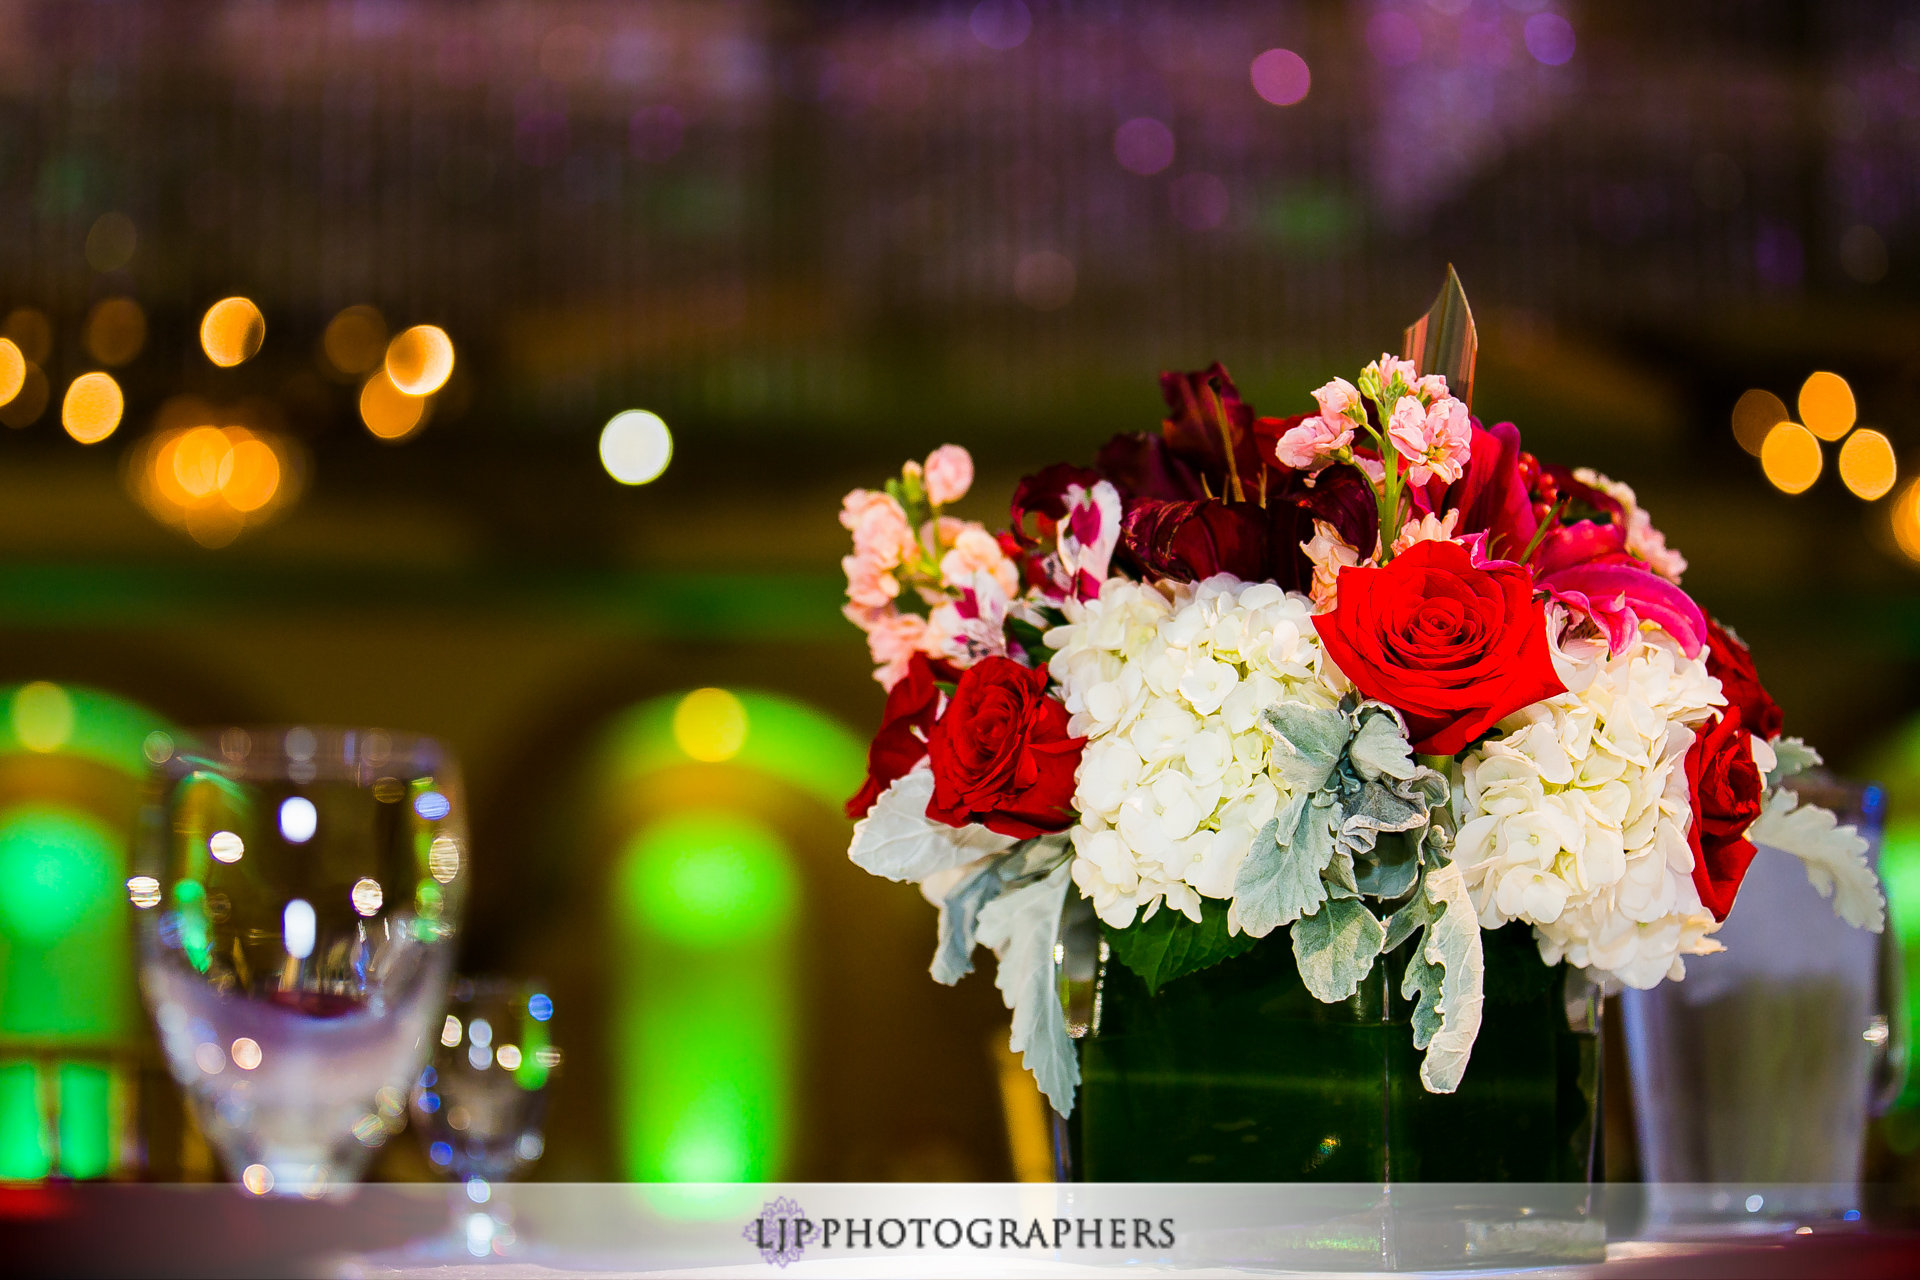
x: 479, y: 1106
x: 299, y: 890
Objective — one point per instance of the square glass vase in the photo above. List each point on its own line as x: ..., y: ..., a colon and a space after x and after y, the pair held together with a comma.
x: 1237, y: 1074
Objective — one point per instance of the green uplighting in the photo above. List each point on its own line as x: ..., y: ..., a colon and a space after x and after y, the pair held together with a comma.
x: 56, y: 866
x: 86, y: 1120
x: 23, y: 1137
x: 707, y: 879
x: 702, y: 1026
x: 784, y: 739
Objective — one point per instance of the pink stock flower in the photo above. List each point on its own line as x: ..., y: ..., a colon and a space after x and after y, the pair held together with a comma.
x: 1338, y: 399
x: 1390, y: 367
x: 880, y: 530
x: 1311, y: 445
x: 1428, y: 528
x: 1431, y: 387
x: 1435, y: 441
x: 893, y: 639
x: 949, y: 474
x: 868, y: 582
x: 976, y: 551
x: 1329, y: 554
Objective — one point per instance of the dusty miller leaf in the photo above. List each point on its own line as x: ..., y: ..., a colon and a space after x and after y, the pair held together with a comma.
x: 1448, y: 972
x: 1335, y: 948
x: 960, y: 909
x: 1171, y: 946
x: 1022, y: 927
x: 1307, y: 742
x: 1280, y: 879
x: 1380, y: 748
x: 899, y: 841
x: 1790, y: 756
x: 1835, y: 856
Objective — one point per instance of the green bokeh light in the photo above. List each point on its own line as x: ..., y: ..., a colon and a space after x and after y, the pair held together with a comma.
x: 704, y: 903
x: 56, y: 867
x: 711, y: 879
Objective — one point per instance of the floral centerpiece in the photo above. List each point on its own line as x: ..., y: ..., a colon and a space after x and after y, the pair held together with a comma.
x: 1368, y: 674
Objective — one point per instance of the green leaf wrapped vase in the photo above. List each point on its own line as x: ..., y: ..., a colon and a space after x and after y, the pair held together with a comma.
x: 1308, y: 776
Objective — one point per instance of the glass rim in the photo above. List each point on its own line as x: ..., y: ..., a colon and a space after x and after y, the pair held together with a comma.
x: 240, y: 746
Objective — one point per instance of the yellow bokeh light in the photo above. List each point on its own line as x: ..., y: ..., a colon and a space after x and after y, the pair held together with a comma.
x: 1905, y: 515
x: 26, y: 407
x: 389, y: 412
x: 355, y: 340
x: 1867, y: 465
x: 1757, y: 413
x: 710, y: 725
x: 1826, y: 405
x: 250, y: 474
x: 42, y: 716
x: 116, y: 330
x: 420, y: 360
x: 1791, y: 458
x: 196, y: 459
x: 31, y: 331
x: 232, y: 331
x: 13, y: 370
x: 92, y: 408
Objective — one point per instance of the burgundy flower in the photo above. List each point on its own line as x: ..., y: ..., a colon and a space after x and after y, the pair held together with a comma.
x: 1043, y: 495
x: 1727, y: 794
x: 912, y: 705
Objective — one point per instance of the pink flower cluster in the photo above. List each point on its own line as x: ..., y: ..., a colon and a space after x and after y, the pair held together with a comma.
x: 953, y: 577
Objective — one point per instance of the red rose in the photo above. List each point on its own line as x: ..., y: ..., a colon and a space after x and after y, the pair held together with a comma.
x: 1002, y: 755
x: 1729, y: 662
x: 1727, y: 793
x: 1451, y: 647
x: 912, y: 704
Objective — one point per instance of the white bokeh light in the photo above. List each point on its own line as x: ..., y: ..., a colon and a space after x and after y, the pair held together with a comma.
x: 635, y: 446
x: 298, y: 819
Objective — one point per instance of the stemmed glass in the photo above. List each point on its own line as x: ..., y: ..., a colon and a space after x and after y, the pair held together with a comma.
x: 299, y: 891
x: 479, y: 1106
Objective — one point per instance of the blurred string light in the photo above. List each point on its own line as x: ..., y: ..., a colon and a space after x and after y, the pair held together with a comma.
x: 1826, y: 405
x: 355, y: 341
x: 1906, y: 520
x: 31, y: 331
x: 1281, y: 77
x: 1867, y: 465
x: 390, y: 413
x: 232, y: 331
x: 13, y: 370
x: 1756, y: 413
x: 1791, y: 458
x: 25, y: 408
x: 209, y: 477
x: 111, y: 242
x: 635, y: 446
x: 420, y: 360
x: 1790, y: 452
x: 115, y: 331
x: 92, y: 408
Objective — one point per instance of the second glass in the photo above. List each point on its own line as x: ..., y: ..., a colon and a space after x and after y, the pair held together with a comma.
x: 299, y: 890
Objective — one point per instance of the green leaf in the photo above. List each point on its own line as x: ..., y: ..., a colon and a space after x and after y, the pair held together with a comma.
x: 1171, y: 946
x: 1022, y: 928
x: 1335, y: 948
x: 1380, y: 747
x: 1791, y: 756
x: 1443, y: 341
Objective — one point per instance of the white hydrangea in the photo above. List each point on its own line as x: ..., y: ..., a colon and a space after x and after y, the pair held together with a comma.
x: 1168, y: 689
x: 1575, y: 820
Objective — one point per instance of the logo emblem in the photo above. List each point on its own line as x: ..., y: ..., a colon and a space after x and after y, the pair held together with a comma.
x: 777, y: 1233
